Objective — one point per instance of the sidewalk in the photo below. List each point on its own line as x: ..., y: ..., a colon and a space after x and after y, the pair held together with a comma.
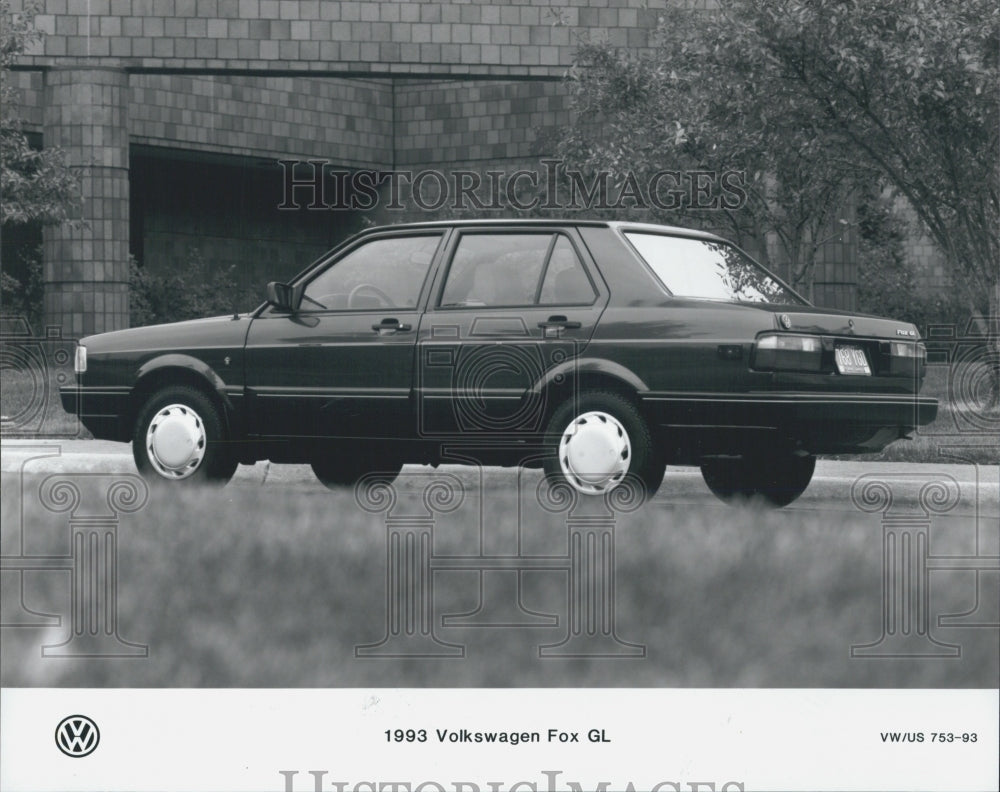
x: 105, y: 456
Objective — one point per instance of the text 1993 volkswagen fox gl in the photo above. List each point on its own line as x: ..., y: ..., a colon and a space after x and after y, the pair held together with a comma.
x: 599, y: 351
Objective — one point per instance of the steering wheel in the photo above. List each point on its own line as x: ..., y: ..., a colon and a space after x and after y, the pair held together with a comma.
x: 385, y: 298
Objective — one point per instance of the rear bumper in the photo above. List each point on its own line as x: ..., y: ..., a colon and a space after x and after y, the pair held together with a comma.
x: 822, y: 423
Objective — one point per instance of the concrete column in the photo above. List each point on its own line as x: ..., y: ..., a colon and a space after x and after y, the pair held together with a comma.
x: 86, y: 263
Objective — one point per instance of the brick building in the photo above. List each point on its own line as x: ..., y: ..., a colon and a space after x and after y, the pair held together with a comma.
x: 181, y: 110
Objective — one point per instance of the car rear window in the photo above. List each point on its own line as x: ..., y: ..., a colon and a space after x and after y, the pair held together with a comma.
x: 708, y: 270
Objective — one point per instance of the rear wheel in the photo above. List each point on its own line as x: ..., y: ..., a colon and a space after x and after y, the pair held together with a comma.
x: 776, y: 478
x: 179, y: 436
x: 600, y: 441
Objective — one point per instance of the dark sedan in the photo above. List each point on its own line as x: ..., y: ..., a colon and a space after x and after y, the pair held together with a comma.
x: 599, y: 351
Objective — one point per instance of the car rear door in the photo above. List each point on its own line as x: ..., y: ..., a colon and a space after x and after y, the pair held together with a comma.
x: 342, y: 365
x: 509, y: 307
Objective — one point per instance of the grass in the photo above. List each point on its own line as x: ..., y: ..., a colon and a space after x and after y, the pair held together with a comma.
x: 30, y: 404
x: 268, y: 587
x: 966, y: 429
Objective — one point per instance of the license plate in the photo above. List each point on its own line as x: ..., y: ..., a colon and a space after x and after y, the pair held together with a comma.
x: 851, y: 360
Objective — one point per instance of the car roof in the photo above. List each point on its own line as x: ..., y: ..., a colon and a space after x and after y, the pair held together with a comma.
x: 622, y: 225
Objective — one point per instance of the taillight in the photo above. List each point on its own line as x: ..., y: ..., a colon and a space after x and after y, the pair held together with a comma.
x: 80, y: 362
x: 788, y: 352
x: 908, y: 349
x: 905, y: 358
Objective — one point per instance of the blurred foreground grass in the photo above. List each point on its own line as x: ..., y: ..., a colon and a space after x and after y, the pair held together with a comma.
x: 274, y: 587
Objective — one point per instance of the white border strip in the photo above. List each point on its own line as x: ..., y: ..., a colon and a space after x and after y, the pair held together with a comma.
x: 242, y: 740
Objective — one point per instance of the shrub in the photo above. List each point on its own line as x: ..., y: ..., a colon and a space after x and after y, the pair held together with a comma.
x: 21, y: 285
x: 190, y: 290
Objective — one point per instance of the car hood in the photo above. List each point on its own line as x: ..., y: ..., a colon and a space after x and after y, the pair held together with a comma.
x: 226, y: 330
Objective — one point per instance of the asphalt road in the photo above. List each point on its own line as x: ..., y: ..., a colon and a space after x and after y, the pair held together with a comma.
x: 978, y: 486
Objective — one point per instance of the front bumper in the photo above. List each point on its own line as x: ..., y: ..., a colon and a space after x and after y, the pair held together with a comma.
x: 102, y: 410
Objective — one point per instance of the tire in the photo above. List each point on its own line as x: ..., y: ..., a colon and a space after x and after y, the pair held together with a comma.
x: 776, y: 479
x: 191, y: 445
x: 605, y: 430
x: 345, y: 467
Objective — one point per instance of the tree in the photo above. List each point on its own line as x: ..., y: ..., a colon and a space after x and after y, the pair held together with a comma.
x: 811, y: 98
x: 910, y: 88
x: 887, y: 283
x: 700, y: 101
x: 35, y: 185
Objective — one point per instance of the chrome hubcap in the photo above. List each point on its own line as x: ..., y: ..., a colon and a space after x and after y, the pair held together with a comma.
x: 594, y: 452
x: 175, y: 441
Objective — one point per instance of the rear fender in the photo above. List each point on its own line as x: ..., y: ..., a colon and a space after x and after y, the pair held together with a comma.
x: 574, y: 370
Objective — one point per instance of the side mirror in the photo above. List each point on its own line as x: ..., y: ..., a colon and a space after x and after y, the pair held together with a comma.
x: 280, y: 296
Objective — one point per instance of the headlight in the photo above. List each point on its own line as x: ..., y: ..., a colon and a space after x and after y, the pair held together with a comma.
x: 788, y: 353
x: 80, y: 362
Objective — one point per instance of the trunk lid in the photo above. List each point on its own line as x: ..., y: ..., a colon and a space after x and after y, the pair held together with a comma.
x: 858, y: 350
x: 833, y: 322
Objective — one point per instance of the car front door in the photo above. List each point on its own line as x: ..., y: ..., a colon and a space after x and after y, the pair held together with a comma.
x: 341, y: 366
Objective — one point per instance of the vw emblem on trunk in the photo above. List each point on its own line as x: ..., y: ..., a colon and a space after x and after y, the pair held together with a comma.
x: 77, y: 736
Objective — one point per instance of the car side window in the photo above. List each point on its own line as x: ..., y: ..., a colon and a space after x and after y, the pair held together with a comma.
x: 509, y: 270
x: 383, y: 273
x: 707, y: 269
x: 496, y: 270
x: 566, y: 282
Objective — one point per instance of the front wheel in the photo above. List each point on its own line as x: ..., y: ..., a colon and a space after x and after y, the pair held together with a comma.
x: 179, y: 437
x: 777, y: 478
x: 598, y: 441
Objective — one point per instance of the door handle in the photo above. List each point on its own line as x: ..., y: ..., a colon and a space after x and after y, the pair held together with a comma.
x: 391, y: 325
x: 559, y: 321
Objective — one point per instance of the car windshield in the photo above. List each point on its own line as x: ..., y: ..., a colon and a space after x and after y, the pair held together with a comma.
x: 708, y: 270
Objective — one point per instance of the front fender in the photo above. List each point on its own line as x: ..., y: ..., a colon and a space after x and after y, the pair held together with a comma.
x: 165, y: 368
x: 181, y: 361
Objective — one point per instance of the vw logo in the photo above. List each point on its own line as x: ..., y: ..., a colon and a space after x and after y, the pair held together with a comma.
x: 77, y: 736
